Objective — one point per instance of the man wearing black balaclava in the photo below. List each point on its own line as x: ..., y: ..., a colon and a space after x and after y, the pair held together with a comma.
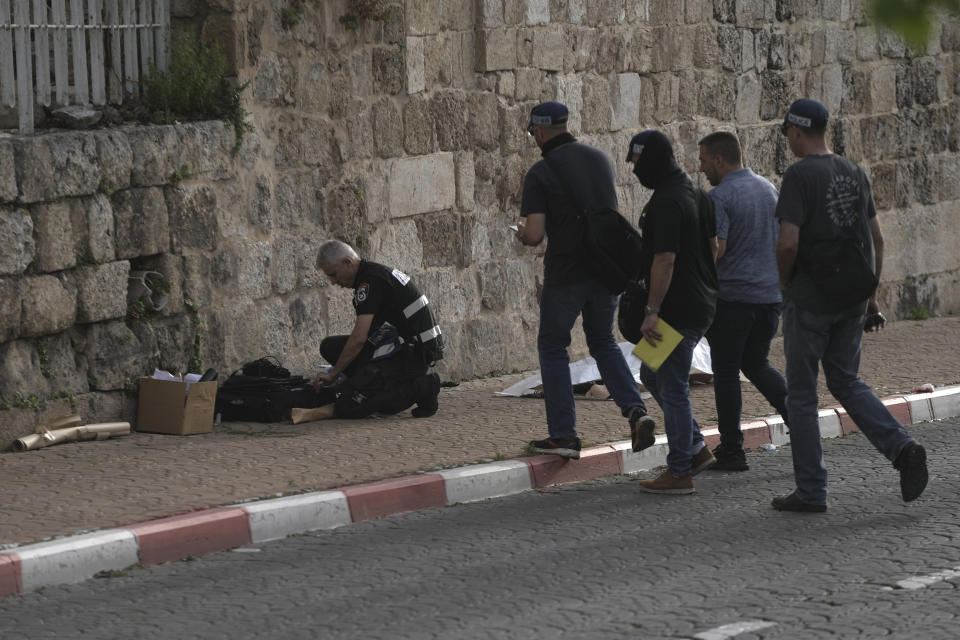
x: 678, y: 263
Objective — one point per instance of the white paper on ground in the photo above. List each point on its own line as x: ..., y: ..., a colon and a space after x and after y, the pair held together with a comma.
x: 586, y: 370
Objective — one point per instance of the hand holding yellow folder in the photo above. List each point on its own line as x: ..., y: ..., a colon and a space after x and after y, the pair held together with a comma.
x: 653, y: 356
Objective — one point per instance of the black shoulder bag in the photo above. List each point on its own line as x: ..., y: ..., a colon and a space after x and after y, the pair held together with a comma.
x: 610, y: 242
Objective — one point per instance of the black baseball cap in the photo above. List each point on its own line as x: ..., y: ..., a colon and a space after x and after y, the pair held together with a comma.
x: 806, y: 113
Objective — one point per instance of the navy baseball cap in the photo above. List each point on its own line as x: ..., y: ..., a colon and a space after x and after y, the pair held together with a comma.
x: 806, y: 113
x: 547, y: 113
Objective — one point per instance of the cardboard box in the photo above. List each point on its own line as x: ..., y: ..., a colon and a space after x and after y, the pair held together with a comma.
x: 168, y: 407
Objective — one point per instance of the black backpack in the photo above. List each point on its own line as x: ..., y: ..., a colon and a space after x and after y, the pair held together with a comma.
x: 264, y: 391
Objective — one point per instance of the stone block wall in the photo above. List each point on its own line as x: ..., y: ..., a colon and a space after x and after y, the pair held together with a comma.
x: 405, y: 136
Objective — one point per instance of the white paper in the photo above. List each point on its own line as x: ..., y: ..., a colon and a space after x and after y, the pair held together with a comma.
x: 586, y: 370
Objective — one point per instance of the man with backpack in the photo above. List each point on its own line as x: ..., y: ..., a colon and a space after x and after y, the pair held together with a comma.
x: 395, y: 339
x: 571, y: 180
x: 829, y: 257
x: 679, y: 251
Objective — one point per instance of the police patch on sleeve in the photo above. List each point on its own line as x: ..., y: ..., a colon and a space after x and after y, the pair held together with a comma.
x: 362, y: 291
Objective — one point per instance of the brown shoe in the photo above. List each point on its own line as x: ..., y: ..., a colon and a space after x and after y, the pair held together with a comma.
x: 666, y: 482
x: 702, y: 461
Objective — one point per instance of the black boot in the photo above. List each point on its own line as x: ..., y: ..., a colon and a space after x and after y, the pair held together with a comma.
x: 428, y: 388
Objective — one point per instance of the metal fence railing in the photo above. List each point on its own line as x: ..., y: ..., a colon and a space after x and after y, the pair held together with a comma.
x: 78, y: 52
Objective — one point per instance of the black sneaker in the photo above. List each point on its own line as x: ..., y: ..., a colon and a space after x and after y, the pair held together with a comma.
x: 641, y: 429
x: 565, y: 447
x: 912, y: 463
x: 791, y: 502
x: 730, y: 460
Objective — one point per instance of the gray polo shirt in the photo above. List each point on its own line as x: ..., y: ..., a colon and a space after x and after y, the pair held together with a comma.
x: 746, y: 218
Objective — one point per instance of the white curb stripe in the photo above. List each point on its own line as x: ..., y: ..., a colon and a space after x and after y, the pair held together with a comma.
x: 779, y: 435
x: 282, y: 517
x: 482, y: 481
x: 945, y: 403
x: 645, y: 460
x: 734, y: 629
x: 76, y: 558
x: 920, y: 408
x: 829, y: 424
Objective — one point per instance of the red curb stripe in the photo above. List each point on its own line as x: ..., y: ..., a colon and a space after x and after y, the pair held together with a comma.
x: 10, y: 576
x: 898, y: 406
x: 755, y: 434
x: 193, y: 534
x: 595, y: 462
x: 387, y: 497
x: 847, y: 425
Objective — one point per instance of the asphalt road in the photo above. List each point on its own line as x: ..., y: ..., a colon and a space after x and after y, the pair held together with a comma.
x: 595, y: 560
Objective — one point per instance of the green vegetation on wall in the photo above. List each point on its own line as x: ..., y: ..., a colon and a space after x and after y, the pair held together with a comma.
x: 195, y: 87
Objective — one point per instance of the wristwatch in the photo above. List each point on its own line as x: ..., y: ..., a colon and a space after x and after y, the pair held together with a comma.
x: 647, y: 310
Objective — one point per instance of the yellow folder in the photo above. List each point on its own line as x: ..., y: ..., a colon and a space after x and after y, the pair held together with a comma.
x: 653, y: 356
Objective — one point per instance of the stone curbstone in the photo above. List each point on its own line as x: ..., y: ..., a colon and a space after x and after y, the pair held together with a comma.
x: 635, y: 462
x: 779, y: 434
x: 829, y: 423
x: 74, y: 559
x: 945, y: 402
x: 756, y: 433
x: 282, y: 517
x: 594, y: 462
x: 10, y: 584
x: 484, y: 481
x: 921, y: 408
x: 175, y: 538
x: 396, y: 495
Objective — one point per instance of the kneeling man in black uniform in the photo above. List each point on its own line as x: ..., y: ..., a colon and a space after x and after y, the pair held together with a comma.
x: 394, y: 341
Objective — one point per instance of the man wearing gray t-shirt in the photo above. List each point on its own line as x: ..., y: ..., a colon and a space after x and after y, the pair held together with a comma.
x: 749, y: 300
x: 829, y: 256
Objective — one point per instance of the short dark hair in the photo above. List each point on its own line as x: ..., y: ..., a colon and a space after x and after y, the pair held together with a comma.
x: 725, y: 144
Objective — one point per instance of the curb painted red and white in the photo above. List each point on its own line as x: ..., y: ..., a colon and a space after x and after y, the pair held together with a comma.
x: 76, y: 558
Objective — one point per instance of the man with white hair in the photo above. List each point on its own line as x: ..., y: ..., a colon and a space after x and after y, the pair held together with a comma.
x: 394, y: 341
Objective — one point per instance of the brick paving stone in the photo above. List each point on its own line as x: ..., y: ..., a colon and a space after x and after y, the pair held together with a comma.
x: 77, y: 487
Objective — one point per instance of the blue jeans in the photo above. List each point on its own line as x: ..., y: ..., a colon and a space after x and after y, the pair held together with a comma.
x: 670, y: 386
x: 740, y: 341
x: 560, y: 305
x: 834, y: 340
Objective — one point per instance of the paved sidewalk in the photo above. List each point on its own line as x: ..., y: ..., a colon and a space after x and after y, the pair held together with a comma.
x: 78, y: 487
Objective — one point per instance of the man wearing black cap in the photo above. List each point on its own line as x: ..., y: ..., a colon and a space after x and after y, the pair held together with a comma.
x: 678, y: 262
x: 572, y: 172
x: 829, y: 257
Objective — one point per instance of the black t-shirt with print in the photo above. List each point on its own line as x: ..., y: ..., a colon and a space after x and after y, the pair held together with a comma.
x: 679, y: 218
x: 826, y: 196
x: 588, y: 174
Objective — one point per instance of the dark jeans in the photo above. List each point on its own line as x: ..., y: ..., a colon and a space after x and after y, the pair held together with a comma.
x: 740, y: 341
x: 810, y: 339
x: 670, y: 387
x: 386, y: 386
x: 560, y: 306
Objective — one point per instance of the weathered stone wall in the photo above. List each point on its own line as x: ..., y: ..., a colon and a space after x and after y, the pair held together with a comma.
x: 405, y: 137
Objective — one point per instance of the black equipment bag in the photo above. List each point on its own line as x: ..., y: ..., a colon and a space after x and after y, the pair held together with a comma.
x: 632, y: 310
x: 264, y: 391
x: 612, y: 245
x: 841, y: 272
